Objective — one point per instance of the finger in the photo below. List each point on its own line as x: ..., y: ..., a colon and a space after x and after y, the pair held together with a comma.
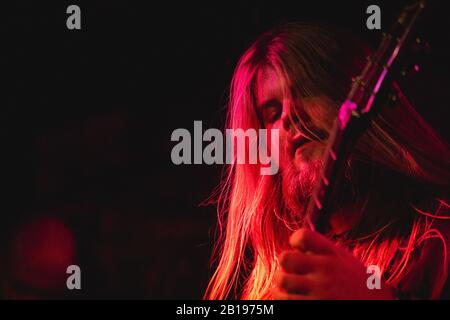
x: 295, y: 261
x: 294, y: 284
x: 278, y: 294
x: 311, y: 241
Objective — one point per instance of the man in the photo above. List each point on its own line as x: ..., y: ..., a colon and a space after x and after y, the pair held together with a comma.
x: 390, y: 212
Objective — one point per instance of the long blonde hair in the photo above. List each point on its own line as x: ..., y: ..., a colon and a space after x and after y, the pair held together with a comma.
x: 254, y: 225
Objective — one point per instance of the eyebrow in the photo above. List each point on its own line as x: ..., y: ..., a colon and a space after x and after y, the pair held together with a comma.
x: 267, y: 103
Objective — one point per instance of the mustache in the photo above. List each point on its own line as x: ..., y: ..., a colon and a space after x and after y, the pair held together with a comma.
x: 301, y: 123
x: 302, y: 137
x: 310, y: 132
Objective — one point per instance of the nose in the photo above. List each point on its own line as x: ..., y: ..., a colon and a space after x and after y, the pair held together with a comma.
x: 297, y: 121
x: 290, y: 121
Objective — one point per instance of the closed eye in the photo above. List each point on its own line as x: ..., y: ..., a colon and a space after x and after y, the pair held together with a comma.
x: 270, y: 111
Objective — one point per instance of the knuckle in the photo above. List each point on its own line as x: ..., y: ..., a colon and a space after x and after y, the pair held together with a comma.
x: 298, y: 236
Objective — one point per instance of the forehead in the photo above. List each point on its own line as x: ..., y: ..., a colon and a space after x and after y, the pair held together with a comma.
x: 268, y: 85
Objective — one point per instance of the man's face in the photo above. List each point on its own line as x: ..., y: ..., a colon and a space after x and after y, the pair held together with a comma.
x: 300, y: 155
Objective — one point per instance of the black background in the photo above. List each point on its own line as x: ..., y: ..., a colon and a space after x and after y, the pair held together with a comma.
x: 86, y: 118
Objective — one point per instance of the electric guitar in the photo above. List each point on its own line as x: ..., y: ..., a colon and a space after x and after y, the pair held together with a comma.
x: 354, y: 116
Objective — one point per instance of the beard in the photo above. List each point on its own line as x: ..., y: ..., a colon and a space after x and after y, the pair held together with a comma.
x: 298, y: 182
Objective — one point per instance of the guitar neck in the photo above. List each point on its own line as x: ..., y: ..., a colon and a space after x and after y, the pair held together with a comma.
x: 355, y: 114
x: 347, y: 127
